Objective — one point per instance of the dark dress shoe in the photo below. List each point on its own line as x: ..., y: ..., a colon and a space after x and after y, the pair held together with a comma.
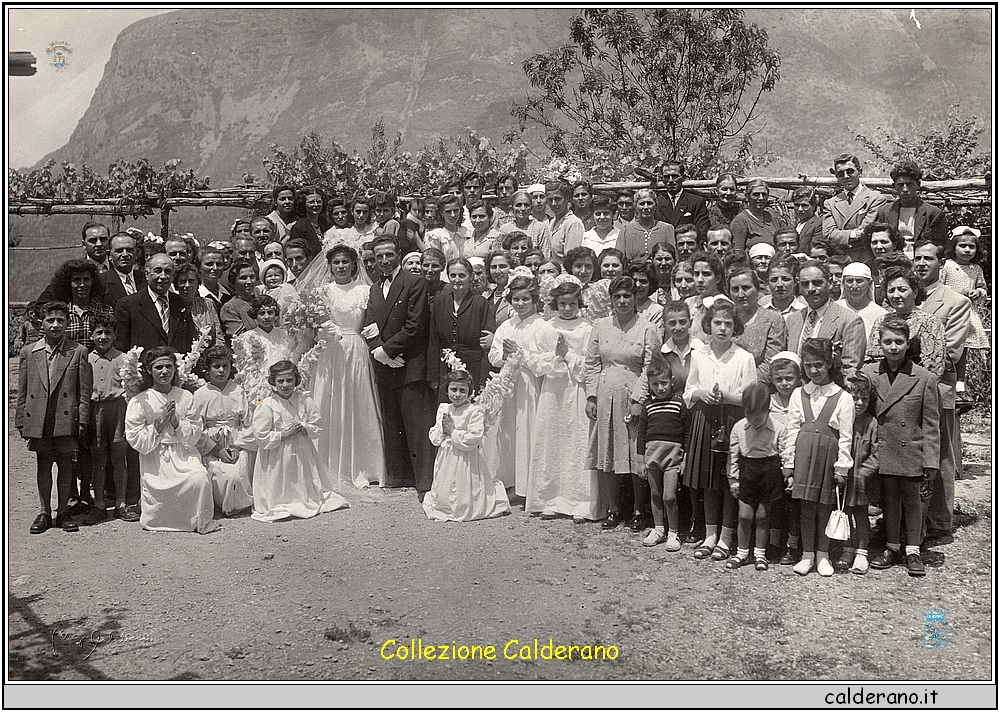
x: 42, y: 523
x: 693, y: 537
x: 92, y: 516
x: 886, y: 560
x: 127, y: 513
x: 790, y: 557
x: 612, y: 521
x: 915, y: 566
x: 67, y: 523
x: 637, y: 523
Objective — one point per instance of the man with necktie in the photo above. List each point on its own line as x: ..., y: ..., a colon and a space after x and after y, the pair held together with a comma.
x: 122, y: 279
x: 155, y: 316
x: 849, y: 212
x: 397, y: 329
x: 95, y: 243
x: 824, y: 319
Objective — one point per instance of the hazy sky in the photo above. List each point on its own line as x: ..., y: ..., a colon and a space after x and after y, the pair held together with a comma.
x: 43, y: 110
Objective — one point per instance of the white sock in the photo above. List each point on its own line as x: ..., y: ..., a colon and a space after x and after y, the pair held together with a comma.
x: 913, y: 550
x: 727, y: 537
x: 758, y: 553
x: 659, y: 530
x: 742, y: 553
x: 862, y: 552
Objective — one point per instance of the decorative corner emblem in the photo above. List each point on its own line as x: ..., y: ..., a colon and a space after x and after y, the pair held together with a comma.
x: 59, y: 54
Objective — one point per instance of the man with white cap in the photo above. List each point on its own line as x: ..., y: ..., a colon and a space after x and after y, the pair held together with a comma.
x: 859, y: 292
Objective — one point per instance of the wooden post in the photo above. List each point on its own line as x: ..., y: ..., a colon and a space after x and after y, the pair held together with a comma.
x: 165, y: 222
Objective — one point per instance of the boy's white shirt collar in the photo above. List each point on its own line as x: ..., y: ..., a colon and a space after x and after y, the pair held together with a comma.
x: 693, y: 344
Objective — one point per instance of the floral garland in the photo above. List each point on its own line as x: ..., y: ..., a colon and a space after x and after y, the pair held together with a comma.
x: 596, y: 300
x: 451, y: 359
x: 131, y: 371
x: 187, y: 363
x: 248, y: 357
x: 499, y: 389
x: 188, y: 236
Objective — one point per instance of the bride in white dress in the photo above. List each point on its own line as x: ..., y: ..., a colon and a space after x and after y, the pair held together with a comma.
x: 343, y: 383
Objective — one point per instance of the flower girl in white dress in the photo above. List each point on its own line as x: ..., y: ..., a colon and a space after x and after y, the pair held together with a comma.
x: 464, y: 489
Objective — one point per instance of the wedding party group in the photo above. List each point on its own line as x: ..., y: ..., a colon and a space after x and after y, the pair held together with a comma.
x: 761, y: 376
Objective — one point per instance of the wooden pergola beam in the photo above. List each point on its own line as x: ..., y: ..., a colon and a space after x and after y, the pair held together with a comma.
x: 20, y: 64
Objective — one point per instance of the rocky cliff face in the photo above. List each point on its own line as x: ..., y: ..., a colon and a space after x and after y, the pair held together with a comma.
x: 216, y: 87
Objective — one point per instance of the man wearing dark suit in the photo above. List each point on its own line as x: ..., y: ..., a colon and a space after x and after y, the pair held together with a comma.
x: 95, y: 243
x: 955, y: 312
x: 914, y: 218
x: 122, y: 279
x: 849, y: 212
x: 155, y: 316
x: 679, y: 206
x: 396, y: 328
x: 825, y: 319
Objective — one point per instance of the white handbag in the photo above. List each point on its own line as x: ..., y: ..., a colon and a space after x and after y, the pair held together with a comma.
x: 839, y: 526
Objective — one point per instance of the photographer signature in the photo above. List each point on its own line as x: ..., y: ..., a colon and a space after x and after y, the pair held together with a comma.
x: 87, y: 644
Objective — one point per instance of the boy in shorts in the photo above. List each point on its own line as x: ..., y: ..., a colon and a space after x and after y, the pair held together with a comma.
x: 107, y: 420
x: 53, y: 410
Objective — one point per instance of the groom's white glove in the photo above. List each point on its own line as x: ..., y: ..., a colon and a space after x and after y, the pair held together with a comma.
x: 370, y: 332
x: 382, y: 357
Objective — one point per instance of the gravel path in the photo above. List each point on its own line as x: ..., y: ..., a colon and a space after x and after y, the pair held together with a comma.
x: 317, y: 599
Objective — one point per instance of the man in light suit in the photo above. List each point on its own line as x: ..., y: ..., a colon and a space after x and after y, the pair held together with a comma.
x: 849, y: 212
x: 122, y: 279
x: 824, y: 319
x: 955, y: 312
x: 397, y: 330
x: 679, y: 206
x: 155, y: 316
x: 914, y: 218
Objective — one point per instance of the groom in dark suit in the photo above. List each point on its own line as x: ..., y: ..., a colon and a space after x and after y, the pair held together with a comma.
x: 154, y: 316
x: 397, y: 330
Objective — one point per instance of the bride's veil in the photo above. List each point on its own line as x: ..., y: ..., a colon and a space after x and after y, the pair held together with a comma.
x: 317, y: 274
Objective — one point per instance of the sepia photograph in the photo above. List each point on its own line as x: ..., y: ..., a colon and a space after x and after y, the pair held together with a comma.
x: 500, y: 344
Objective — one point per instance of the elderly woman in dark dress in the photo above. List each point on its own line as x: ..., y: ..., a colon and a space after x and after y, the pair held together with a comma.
x: 463, y: 322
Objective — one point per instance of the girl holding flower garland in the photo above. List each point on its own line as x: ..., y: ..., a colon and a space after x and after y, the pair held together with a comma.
x: 464, y: 489
x: 289, y: 480
x: 225, y: 412
x: 164, y: 425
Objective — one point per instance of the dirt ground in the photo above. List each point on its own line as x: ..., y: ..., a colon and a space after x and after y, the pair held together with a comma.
x: 317, y: 599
